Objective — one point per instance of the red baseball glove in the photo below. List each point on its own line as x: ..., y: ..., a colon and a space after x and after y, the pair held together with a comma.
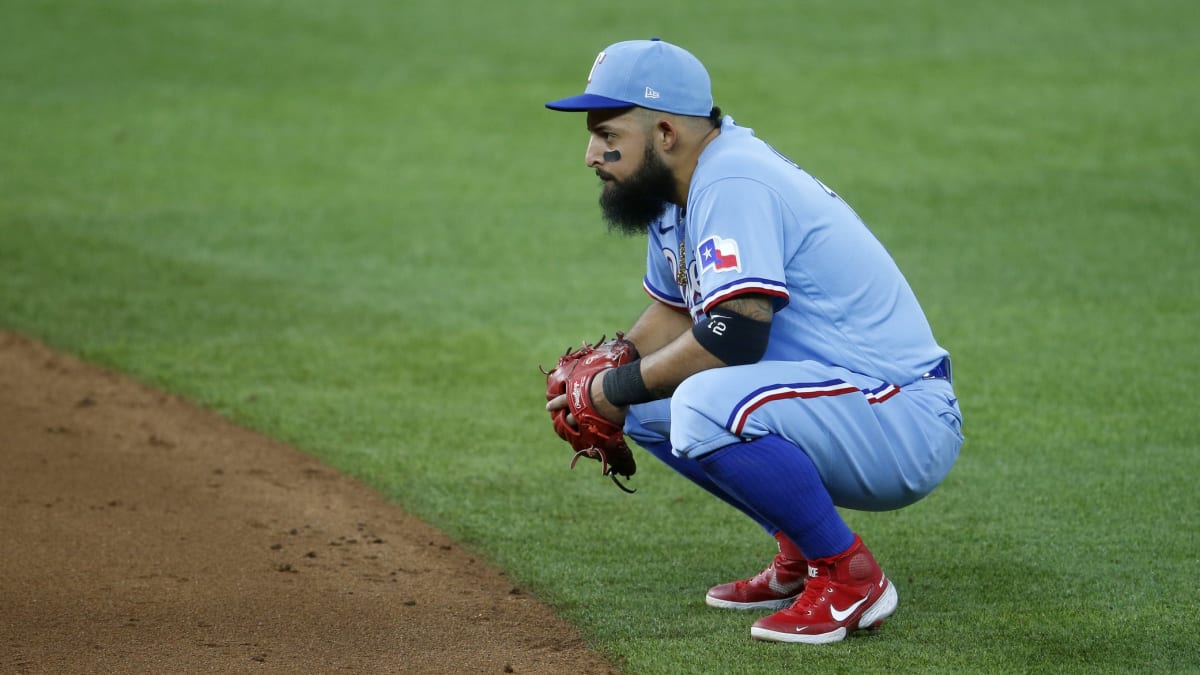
x: 594, y: 435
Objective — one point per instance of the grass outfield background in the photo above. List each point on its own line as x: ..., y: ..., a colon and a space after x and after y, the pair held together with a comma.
x: 354, y: 227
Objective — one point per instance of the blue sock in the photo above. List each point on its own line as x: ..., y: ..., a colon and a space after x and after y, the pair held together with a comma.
x: 775, y: 478
x: 690, y: 469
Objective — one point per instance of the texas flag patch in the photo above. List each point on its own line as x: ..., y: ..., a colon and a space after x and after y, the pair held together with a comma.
x: 719, y: 254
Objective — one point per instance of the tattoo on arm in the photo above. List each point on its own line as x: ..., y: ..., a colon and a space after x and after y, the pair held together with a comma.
x: 751, y: 306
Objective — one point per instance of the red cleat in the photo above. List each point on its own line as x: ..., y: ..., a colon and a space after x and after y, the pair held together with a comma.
x: 776, y: 587
x: 842, y: 594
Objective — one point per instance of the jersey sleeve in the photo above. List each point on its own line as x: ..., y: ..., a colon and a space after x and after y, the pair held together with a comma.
x: 661, y: 265
x: 739, y: 242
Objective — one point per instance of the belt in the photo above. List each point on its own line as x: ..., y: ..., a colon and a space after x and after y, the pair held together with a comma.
x: 941, y: 371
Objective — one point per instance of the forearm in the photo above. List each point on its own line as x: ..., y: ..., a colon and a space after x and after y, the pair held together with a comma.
x: 666, y: 368
x: 658, y: 327
x: 673, y: 348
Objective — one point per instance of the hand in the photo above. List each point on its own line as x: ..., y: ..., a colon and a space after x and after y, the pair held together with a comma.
x: 559, y: 403
x: 610, y: 412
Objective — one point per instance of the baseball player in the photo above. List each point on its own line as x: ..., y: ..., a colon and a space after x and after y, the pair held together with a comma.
x: 784, y: 364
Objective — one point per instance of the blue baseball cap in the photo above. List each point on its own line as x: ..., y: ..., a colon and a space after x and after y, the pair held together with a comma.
x: 647, y: 73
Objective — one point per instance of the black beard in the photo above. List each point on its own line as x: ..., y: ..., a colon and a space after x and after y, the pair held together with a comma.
x: 631, y: 205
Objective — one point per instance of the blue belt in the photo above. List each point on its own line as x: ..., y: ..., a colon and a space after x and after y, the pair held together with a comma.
x: 941, y: 371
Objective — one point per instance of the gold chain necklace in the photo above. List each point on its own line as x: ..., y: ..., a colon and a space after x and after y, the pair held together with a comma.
x: 681, y: 270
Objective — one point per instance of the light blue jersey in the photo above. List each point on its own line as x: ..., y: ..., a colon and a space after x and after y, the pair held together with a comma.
x: 851, y: 371
x: 757, y: 223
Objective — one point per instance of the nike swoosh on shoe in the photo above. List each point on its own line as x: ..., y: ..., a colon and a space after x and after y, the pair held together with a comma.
x: 841, y: 615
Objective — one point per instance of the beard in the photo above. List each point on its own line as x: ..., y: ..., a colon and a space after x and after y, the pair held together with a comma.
x: 631, y: 205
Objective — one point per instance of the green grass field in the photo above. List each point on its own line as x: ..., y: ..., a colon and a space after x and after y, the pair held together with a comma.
x: 354, y: 227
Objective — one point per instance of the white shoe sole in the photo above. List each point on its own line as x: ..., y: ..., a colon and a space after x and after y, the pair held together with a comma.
x: 884, y: 607
x: 782, y: 603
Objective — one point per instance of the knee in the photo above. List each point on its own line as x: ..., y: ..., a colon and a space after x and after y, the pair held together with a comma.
x: 697, y: 427
x: 687, y: 403
x: 649, y: 423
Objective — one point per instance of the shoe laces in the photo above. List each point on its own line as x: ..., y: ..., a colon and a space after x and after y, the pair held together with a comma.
x: 817, y: 589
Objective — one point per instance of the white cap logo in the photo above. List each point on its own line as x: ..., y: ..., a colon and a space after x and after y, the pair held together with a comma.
x: 650, y: 93
x: 599, y: 60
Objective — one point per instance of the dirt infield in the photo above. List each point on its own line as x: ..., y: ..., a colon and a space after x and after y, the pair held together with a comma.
x: 140, y: 533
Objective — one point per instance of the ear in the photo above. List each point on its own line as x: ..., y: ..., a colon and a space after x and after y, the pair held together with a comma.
x: 666, y: 134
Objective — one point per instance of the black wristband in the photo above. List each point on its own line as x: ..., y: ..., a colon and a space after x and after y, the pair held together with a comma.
x: 623, y: 385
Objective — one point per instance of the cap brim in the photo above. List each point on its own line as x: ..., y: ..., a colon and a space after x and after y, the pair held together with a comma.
x: 585, y: 102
